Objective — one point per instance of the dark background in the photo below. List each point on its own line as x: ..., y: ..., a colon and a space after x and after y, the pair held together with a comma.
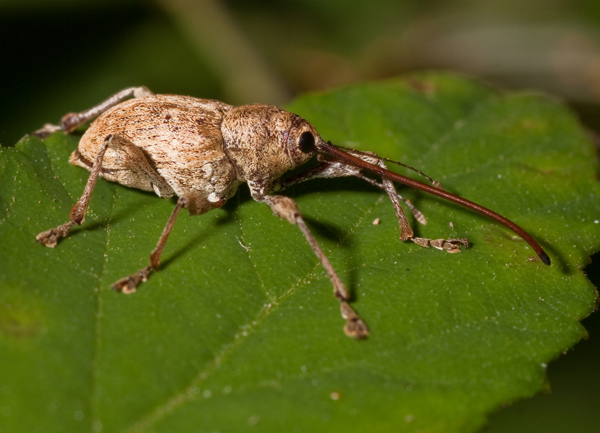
x: 66, y: 55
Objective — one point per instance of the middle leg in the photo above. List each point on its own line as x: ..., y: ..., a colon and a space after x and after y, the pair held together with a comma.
x: 129, y: 284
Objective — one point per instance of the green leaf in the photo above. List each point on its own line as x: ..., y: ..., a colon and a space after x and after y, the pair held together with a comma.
x: 239, y: 330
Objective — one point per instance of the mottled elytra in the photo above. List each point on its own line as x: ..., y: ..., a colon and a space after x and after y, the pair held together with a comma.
x: 201, y: 150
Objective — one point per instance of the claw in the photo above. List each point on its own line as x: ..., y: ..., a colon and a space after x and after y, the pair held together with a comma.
x: 50, y: 237
x: 129, y: 284
x: 355, y: 327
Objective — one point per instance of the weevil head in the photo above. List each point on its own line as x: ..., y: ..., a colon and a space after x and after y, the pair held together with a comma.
x: 264, y: 141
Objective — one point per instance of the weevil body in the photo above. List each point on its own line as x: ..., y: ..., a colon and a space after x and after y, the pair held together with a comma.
x: 194, y: 148
x: 201, y: 150
x: 171, y: 145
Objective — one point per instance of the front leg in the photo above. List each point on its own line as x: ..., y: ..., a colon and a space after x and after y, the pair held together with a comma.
x: 286, y: 208
x: 406, y: 233
x: 334, y: 169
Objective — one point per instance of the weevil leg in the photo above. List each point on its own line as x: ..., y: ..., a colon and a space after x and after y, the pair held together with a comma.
x: 78, y: 211
x: 416, y: 212
x: 406, y: 233
x: 286, y: 208
x: 335, y: 169
x: 71, y: 121
x: 332, y: 169
x: 129, y: 284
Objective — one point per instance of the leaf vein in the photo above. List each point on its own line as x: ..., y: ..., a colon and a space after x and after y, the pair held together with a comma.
x: 190, y: 392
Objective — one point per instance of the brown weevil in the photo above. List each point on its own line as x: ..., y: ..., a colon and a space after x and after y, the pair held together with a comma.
x: 201, y: 150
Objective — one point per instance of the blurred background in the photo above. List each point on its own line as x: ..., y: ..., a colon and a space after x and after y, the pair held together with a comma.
x: 65, y: 55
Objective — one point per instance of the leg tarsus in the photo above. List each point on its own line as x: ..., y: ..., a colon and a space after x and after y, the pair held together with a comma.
x: 50, y: 237
x: 449, y: 245
x: 129, y: 284
x: 355, y: 327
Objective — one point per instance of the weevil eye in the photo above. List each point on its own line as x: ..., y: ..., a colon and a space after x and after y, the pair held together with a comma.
x: 306, y: 143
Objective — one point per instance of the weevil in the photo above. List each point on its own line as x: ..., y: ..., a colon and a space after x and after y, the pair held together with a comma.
x: 201, y: 150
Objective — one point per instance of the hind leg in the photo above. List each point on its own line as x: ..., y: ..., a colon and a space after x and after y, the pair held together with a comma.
x: 71, y: 121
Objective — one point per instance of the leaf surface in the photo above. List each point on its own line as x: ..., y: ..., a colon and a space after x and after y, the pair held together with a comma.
x: 239, y: 330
